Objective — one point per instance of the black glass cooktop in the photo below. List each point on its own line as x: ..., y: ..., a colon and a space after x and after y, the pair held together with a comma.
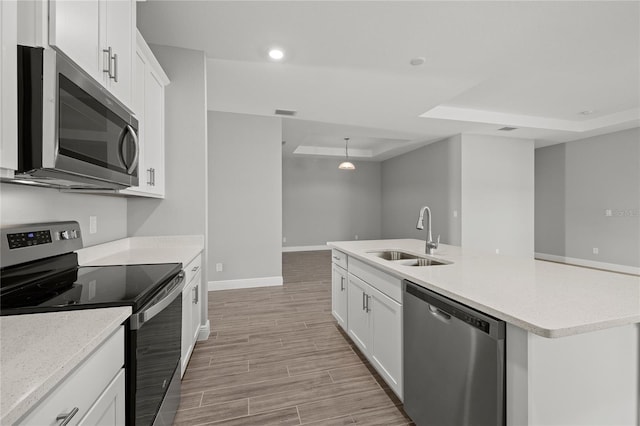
x: 58, y: 285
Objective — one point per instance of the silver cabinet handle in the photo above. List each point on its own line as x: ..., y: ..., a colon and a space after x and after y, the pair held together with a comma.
x: 66, y: 417
x: 363, y: 302
x: 149, y: 179
x: 341, y: 283
x: 367, y: 304
x: 109, y: 52
x: 153, y: 177
x: 336, y: 257
x: 196, y: 295
x: 195, y: 268
x: 115, y: 67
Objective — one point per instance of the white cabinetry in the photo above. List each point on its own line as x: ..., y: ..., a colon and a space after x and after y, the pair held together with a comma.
x: 339, y: 290
x: 99, y: 36
x: 374, y: 312
x: 93, y: 394
x: 148, y: 105
x: 191, y: 308
x: 8, y: 87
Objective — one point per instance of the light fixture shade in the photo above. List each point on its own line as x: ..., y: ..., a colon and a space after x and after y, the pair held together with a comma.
x: 346, y: 164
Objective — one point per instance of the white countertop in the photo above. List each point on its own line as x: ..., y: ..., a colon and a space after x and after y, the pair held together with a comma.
x: 545, y: 298
x: 143, y: 250
x: 39, y: 350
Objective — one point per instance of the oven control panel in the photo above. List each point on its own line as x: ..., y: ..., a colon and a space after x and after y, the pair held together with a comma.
x: 25, y: 239
x: 24, y: 243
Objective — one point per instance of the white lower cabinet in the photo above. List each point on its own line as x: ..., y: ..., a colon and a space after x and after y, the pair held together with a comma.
x: 109, y: 409
x: 93, y: 394
x: 339, y: 298
x: 375, y: 326
x: 191, y: 310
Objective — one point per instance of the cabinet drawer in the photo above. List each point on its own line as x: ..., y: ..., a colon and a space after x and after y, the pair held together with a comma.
x: 339, y: 258
x: 83, y: 386
x: 192, y: 269
x: 386, y: 283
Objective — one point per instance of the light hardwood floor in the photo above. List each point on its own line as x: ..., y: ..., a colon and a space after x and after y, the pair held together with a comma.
x: 277, y: 357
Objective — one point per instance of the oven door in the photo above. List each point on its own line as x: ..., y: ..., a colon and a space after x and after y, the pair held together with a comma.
x: 154, y: 358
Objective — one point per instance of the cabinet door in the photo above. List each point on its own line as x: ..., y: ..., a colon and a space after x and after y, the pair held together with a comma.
x: 117, y: 19
x: 359, y: 320
x: 339, y: 294
x: 109, y: 409
x: 187, y: 343
x: 154, y: 132
x: 8, y: 86
x: 74, y: 30
x: 386, y: 341
x: 195, y: 308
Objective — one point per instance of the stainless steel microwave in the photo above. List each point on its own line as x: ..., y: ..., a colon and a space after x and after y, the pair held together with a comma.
x: 72, y: 133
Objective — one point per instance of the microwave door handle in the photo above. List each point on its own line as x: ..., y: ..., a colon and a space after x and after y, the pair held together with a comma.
x: 130, y: 167
x: 140, y: 318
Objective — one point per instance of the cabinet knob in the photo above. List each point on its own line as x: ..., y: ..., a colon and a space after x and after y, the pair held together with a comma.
x: 195, y: 268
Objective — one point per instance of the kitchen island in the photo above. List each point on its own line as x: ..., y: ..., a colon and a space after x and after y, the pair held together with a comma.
x: 572, y: 332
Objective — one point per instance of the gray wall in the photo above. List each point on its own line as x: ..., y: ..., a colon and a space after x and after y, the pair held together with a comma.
x: 20, y: 204
x: 498, y: 194
x: 550, y: 192
x: 321, y: 203
x: 184, y: 209
x: 245, y: 196
x: 600, y: 173
x: 427, y: 176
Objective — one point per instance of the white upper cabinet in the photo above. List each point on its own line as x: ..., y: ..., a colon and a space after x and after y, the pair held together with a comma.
x: 99, y: 36
x: 8, y: 88
x: 148, y: 105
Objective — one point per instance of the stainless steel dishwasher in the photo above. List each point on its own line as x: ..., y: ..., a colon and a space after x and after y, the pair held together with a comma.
x: 454, y: 358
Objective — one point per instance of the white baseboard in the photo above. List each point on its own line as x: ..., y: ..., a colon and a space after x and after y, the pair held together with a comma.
x: 244, y: 283
x: 204, y: 331
x: 306, y: 248
x: 589, y: 263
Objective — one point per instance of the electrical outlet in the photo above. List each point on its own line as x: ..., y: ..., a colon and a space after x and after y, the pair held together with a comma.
x: 93, y: 224
x: 608, y: 213
x: 595, y: 250
x: 218, y: 267
x: 497, y: 251
x: 356, y: 236
x: 284, y: 239
x: 455, y: 213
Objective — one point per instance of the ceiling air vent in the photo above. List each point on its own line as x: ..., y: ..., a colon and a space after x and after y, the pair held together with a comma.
x: 508, y: 129
x: 286, y: 112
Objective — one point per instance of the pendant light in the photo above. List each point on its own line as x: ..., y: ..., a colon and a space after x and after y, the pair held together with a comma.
x: 346, y: 165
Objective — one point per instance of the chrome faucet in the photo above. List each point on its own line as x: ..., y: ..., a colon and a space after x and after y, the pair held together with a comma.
x: 430, y: 244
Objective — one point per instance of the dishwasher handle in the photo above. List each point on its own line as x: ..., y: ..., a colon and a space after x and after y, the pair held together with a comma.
x: 443, y: 307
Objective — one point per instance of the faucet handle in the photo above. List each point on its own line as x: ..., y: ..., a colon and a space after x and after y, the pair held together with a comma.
x: 437, y: 241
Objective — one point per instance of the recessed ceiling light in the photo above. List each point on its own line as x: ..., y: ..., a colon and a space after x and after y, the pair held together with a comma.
x: 276, y: 54
x: 419, y: 60
x: 587, y: 112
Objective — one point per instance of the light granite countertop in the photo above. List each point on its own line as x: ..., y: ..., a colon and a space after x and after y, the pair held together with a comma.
x: 143, y: 250
x: 39, y: 350
x: 545, y: 298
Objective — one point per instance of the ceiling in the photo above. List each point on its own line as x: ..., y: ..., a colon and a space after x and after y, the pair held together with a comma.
x: 532, y: 65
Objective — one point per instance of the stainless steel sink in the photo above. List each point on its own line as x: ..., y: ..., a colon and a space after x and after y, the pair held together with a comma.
x: 393, y: 255
x: 407, y: 259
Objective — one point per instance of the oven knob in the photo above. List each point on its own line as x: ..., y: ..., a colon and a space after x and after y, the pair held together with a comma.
x: 74, y: 233
x: 64, y: 235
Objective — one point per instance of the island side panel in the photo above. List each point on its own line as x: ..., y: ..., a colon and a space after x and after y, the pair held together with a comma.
x: 585, y: 379
x: 517, y: 376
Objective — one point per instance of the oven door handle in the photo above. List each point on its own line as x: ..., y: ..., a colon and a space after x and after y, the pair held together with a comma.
x: 140, y: 318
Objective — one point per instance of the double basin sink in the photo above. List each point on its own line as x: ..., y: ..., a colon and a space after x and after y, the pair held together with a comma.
x: 405, y: 258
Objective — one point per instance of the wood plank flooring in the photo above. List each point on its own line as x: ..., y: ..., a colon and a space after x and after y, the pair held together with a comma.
x: 277, y: 357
